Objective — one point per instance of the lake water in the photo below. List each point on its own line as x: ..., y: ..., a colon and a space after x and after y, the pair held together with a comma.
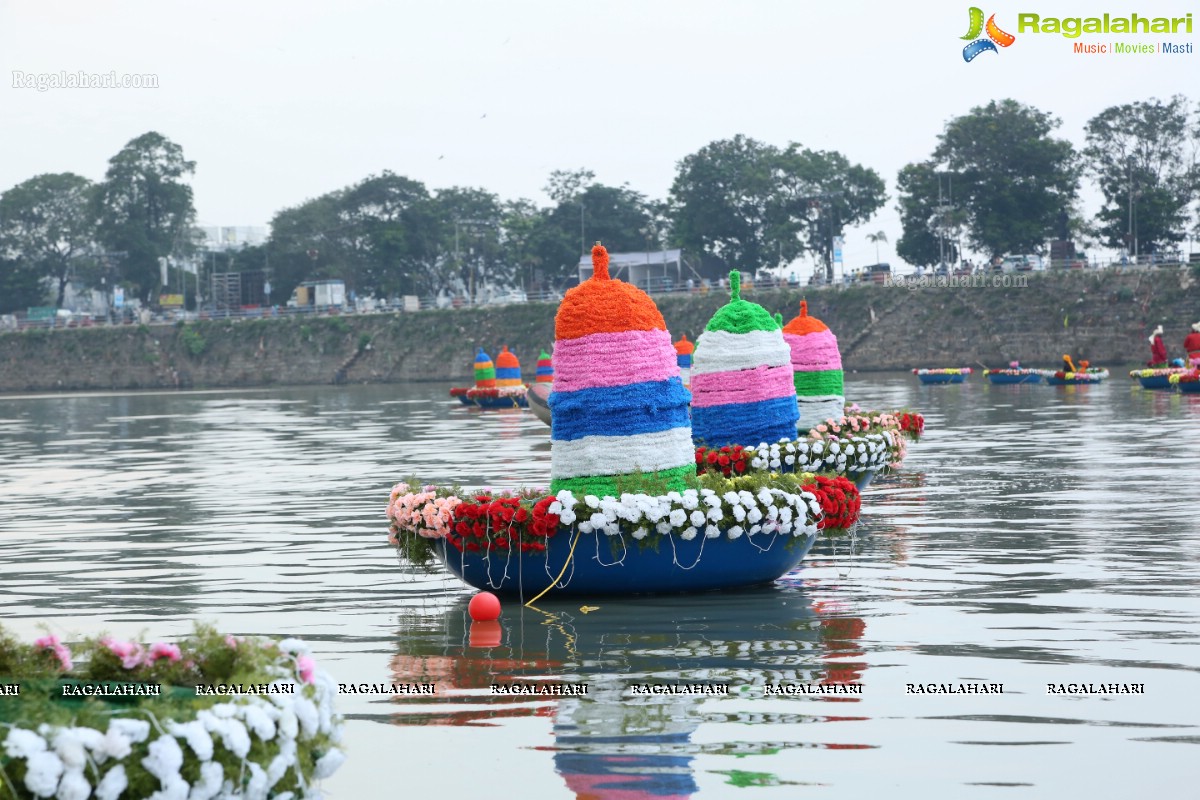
x: 1036, y: 536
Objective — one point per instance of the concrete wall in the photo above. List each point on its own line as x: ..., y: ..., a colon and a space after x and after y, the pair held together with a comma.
x: 1104, y: 317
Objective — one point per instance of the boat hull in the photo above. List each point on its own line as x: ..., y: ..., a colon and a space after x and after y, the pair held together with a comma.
x: 598, y: 568
x: 1156, y: 382
x: 1007, y: 379
x: 1053, y: 381
x: 937, y: 379
x: 539, y: 401
x: 1192, y: 387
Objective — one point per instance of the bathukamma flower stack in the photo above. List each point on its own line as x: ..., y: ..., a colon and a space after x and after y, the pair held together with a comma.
x: 619, y: 412
x: 485, y: 371
x: 818, y: 369
x: 545, y: 368
x: 742, y: 390
x: 508, y: 369
x: 683, y: 357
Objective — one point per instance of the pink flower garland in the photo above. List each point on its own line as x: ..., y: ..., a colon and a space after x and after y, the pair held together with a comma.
x: 60, y: 650
x: 423, y: 513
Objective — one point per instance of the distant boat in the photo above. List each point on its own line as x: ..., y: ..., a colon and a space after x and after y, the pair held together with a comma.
x: 1013, y: 375
x: 1061, y: 378
x: 1157, y: 378
x: 940, y: 375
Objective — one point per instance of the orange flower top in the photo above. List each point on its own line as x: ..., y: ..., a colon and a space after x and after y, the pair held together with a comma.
x: 506, y: 358
x: 804, y: 324
x: 602, y: 305
x: 683, y: 347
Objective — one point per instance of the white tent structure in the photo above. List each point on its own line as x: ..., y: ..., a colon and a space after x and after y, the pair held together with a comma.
x: 662, y: 269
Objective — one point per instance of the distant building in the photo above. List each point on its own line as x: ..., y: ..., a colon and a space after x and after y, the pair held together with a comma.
x: 232, y: 237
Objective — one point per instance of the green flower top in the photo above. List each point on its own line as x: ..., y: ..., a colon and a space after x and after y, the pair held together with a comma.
x: 741, y: 316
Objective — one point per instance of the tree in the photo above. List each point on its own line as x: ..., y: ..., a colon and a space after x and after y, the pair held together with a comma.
x: 1138, y: 153
x: 46, y: 226
x: 469, y: 241
x: 144, y: 209
x: 20, y: 286
x: 304, y: 243
x: 1013, y: 180
x: 875, y: 239
x: 756, y: 206
x: 387, y: 230
x: 930, y: 222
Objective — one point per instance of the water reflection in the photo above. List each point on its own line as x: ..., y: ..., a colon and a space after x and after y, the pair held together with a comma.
x: 613, y: 743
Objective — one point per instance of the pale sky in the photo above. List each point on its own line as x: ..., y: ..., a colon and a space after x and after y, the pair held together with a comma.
x: 278, y: 102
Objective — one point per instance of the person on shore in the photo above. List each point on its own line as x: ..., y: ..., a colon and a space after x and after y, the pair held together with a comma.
x: 1158, y: 350
x: 1191, y: 345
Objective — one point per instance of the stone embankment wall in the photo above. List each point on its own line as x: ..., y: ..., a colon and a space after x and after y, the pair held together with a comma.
x: 1104, y: 317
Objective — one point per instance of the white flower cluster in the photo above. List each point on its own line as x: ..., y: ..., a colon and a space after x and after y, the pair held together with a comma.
x: 849, y: 456
x: 691, y: 512
x: 56, y: 757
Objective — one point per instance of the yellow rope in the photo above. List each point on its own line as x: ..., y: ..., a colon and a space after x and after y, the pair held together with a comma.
x: 570, y: 555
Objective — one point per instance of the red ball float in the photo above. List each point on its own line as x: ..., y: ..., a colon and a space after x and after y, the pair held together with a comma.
x: 484, y: 607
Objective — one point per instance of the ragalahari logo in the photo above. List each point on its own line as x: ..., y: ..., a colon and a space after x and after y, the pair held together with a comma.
x: 995, y: 36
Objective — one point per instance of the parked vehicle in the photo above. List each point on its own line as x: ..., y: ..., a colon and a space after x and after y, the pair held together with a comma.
x: 1022, y: 263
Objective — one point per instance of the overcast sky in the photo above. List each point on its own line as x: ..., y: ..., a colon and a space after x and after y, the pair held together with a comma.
x: 278, y: 102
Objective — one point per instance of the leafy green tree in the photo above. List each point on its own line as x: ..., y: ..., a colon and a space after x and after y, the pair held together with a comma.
x: 144, y: 208
x: 756, y: 206
x: 305, y: 244
x: 930, y: 221
x: 469, y: 223
x: 1011, y: 177
x: 387, y: 230
x: 20, y: 286
x: 46, y: 227
x: 1139, y: 154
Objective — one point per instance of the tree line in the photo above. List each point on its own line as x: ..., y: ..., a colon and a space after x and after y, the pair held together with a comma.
x: 997, y: 178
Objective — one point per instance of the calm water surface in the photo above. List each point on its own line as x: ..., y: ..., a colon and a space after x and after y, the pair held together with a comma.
x: 1036, y: 535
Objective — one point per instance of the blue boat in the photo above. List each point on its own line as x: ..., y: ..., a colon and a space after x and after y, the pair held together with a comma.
x: 942, y: 378
x: 1156, y: 382
x: 1191, y: 387
x: 1025, y: 376
x: 616, y: 565
x: 1078, y: 380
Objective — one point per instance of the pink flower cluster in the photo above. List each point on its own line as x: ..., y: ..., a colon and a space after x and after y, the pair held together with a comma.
x: 133, y: 656
x: 60, y: 650
x: 307, y: 669
x: 422, y: 513
x: 858, y: 423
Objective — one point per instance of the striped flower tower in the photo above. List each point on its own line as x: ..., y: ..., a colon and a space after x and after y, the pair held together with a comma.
x: 508, y: 370
x: 619, y: 412
x: 545, y: 368
x: 683, y: 357
x: 485, y: 371
x: 742, y: 391
x: 818, y: 367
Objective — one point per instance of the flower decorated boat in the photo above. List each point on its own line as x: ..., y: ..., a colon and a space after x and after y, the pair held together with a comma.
x: 1062, y: 378
x: 1156, y: 378
x: 1187, y: 382
x: 1014, y: 374
x: 496, y: 385
x: 211, y: 717
x: 627, y: 511
x: 947, y: 375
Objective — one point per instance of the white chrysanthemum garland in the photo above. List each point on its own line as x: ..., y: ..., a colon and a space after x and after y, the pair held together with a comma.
x: 271, y: 745
x: 690, y: 513
x: 850, y: 456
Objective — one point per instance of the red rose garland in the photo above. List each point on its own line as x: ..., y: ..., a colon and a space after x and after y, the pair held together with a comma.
x: 840, y: 501
x: 502, y: 523
x: 728, y: 460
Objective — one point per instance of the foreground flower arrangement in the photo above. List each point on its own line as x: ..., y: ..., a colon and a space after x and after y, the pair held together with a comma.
x: 1161, y: 372
x: 791, y: 505
x: 1185, y: 377
x: 211, y: 717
